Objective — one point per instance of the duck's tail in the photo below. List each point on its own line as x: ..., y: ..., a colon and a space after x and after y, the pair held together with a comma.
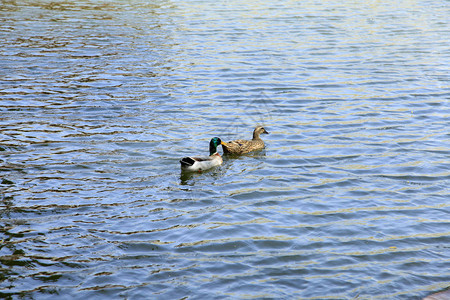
x: 187, y: 161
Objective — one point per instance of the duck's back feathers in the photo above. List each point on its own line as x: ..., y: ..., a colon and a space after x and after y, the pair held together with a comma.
x: 242, y: 146
x: 239, y: 147
x: 200, y: 163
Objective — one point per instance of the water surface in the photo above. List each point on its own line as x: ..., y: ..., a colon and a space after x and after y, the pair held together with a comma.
x: 100, y: 100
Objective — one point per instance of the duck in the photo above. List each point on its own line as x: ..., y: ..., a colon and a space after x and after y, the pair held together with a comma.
x: 238, y: 147
x: 201, y: 163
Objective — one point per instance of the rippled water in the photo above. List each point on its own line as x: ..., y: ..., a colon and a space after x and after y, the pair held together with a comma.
x: 100, y: 99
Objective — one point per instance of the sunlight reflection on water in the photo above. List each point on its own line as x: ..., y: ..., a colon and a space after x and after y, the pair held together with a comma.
x: 101, y: 100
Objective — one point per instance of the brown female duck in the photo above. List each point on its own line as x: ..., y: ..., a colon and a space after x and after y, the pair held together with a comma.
x: 238, y: 147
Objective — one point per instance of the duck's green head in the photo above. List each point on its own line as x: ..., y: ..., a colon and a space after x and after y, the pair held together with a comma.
x: 213, y: 144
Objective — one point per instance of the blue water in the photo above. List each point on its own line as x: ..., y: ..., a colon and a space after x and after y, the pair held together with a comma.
x: 99, y: 101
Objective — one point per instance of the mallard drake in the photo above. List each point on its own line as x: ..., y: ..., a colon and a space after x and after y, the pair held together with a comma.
x: 245, y: 146
x: 203, y: 163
